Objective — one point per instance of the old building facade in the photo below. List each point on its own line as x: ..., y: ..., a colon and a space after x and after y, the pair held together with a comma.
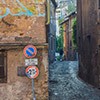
x: 22, y: 22
x: 89, y: 40
x: 68, y: 46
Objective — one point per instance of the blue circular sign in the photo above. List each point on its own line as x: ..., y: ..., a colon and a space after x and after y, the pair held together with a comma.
x: 30, y: 51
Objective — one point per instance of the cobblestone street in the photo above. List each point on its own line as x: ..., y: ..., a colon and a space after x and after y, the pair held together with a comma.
x: 65, y: 85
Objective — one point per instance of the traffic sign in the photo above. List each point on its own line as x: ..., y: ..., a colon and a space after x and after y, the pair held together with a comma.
x: 32, y: 72
x: 32, y: 61
x: 30, y: 51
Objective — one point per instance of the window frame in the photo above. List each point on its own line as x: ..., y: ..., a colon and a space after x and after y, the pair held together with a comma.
x: 98, y: 11
x: 98, y: 4
x: 4, y: 79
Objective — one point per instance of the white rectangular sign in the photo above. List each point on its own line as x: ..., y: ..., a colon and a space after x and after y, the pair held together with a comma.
x: 29, y: 62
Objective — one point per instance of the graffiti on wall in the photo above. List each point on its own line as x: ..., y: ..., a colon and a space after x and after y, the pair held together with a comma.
x: 19, y: 8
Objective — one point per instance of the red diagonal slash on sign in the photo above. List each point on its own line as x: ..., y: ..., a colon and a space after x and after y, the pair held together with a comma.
x: 32, y: 53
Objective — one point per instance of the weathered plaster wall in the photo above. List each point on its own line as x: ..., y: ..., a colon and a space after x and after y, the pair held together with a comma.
x: 20, y: 24
x: 23, y: 22
x: 20, y: 88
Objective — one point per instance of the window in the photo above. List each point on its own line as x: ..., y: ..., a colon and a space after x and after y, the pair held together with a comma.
x: 3, y: 74
x: 99, y: 4
x: 51, y: 43
x: 98, y: 11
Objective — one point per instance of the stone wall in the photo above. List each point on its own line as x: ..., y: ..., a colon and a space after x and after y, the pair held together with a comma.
x: 22, y: 22
x: 20, y: 87
x: 88, y: 41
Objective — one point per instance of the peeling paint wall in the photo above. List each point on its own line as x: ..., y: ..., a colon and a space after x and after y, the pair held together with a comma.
x: 21, y: 7
x: 20, y: 88
x: 22, y: 22
x: 24, y: 27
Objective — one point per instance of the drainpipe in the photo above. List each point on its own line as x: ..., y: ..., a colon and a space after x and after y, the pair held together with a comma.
x: 48, y: 12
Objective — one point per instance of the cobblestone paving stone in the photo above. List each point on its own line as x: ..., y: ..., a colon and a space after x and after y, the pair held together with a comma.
x: 65, y: 85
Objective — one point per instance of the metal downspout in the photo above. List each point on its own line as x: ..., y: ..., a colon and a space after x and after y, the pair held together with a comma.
x: 48, y: 12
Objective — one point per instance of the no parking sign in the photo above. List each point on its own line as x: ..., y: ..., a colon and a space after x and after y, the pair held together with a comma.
x: 30, y: 51
x: 32, y: 72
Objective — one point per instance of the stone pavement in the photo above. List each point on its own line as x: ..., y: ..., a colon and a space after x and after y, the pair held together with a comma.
x: 65, y: 85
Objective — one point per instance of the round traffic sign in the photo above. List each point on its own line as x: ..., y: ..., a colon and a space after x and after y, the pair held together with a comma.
x: 30, y: 51
x: 32, y: 72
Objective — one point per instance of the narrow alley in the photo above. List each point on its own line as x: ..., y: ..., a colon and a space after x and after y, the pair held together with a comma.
x: 64, y: 84
x: 49, y: 49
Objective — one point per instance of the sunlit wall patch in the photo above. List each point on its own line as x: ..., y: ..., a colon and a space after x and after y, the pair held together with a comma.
x: 31, y: 8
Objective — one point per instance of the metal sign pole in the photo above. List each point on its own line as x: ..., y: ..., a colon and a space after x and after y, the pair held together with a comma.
x: 32, y: 72
x: 34, y: 98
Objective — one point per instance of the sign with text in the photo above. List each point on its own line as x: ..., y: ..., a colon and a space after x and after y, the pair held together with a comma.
x: 29, y: 62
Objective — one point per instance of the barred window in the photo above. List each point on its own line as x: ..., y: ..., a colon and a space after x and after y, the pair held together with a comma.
x: 3, y: 72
